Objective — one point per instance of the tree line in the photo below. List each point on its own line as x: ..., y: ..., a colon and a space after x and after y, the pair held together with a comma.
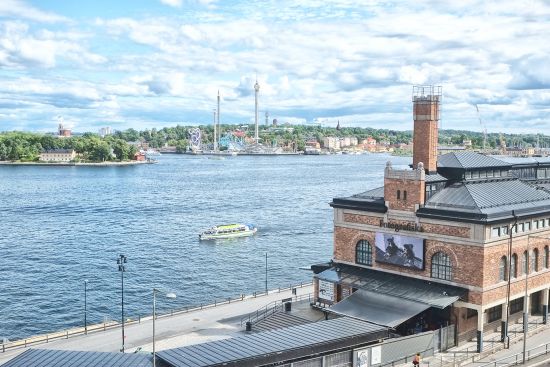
x: 26, y: 147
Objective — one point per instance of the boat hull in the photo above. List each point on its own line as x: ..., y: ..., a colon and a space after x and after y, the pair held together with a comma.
x: 221, y: 236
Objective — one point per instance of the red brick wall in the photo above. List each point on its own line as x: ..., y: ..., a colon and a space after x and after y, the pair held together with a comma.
x: 425, y: 135
x: 415, y: 193
x: 362, y: 219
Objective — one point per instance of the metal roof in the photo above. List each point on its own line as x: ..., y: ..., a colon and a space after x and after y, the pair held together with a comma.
x: 380, y: 309
x: 488, y: 198
x: 435, y: 177
x: 275, y: 345
x: 69, y: 358
x: 371, y: 194
x: 469, y: 160
x: 523, y: 160
x: 430, y: 292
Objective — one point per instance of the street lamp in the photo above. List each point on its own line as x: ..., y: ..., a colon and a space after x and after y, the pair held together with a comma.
x: 85, y: 306
x: 122, y: 268
x: 168, y: 295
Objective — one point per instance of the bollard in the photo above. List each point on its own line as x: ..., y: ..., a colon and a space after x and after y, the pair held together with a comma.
x: 248, y: 326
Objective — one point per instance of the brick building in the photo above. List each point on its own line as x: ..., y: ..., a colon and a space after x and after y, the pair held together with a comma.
x: 453, y: 240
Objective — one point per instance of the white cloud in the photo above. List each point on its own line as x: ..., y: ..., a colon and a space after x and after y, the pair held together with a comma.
x: 174, y: 3
x: 20, y: 9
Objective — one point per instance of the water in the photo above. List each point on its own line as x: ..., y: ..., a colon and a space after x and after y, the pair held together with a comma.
x: 62, y: 225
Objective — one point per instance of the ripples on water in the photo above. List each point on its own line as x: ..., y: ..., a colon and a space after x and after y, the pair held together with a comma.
x: 62, y: 225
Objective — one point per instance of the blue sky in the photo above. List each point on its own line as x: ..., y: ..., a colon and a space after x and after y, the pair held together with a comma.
x: 155, y: 63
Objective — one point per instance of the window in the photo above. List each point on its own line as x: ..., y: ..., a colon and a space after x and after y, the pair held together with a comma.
x: 527, y: 226
x: 363, y: 253
x: 525, y: 262
x: 502, y: 269
x: 514, y: 266
x: 497, y: 173
x: 467, y: 175
x: 489, y: 173
x: 441, y: 266
x: 494, y: 313
x: 516, y: 305
x: 404, y: 194
x: 535, y: 260
x: 398, y: 194
x: 475, y: 174
x: 521, y: 227
x: 503, y: 230
x: 495, y: 232
x: 536, y: 224
x: 546, y: 257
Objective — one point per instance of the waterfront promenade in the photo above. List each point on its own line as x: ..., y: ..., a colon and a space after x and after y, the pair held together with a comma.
x: 180, y: 329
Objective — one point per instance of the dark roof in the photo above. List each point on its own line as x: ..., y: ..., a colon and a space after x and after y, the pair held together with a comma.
x: 435, y: 177
x: 430, y: 292
x: 276, y: 345
x: 469, y: 160
x: 372, y: 200
x: 66, y: 358
x: 486, y: 200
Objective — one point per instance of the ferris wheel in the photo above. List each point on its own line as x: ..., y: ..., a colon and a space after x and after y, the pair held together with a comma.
x: 195, y: 136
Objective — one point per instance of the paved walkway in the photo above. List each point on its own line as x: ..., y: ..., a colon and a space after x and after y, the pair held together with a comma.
x: 181, y: 329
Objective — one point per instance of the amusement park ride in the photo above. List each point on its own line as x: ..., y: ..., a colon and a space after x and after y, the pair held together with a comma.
x: 232, y: 142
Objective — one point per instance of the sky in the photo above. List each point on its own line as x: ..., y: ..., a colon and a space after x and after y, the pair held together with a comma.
x: 152, y: 63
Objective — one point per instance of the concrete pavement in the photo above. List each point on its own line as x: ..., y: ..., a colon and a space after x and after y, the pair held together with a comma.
x: 197, y: 326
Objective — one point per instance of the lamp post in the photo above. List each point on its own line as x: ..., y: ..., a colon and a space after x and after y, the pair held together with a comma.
x: 511, y: 229
x: 122, y: 268
x: 85, y: 306
x: 168, y: 295
x: 526, y: 301
x: 265, y: 271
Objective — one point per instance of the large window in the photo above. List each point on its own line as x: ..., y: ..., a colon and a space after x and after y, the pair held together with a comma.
x: 502, y: 273
x: 514, y: 266
x: 525, y: 262
x: 363, y: 253
x: 535, y: 260
x: 546, y: 257
x: 441, y: 266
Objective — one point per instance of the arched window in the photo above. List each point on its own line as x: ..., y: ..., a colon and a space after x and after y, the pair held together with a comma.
x: 441, y: 266
x: 525, y: 262
x: 404, y: 194
x: 514, y: 266
x: 546, y: 257
x: 363, y: 253
x: 535, y: 260
x: 398, y: 194
x: 502, y: 273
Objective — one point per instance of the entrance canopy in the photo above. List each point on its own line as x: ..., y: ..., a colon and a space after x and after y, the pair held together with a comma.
x: 384, y: 298
x: 380, y: 309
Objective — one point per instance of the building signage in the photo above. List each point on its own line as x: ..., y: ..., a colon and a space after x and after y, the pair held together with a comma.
x: 412, y: 227
x: 376, y: 355
x: 362, y: 358
x: 326, y: 290
x: 399, y: 250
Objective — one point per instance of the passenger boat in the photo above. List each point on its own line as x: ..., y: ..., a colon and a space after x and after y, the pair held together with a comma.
x: 228, y: 231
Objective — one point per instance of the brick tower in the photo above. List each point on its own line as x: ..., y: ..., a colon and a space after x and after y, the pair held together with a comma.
x: 426, y: 99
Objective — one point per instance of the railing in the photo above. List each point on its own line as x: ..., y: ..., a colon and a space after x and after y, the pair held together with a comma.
x: 514, y: 360
x: 108, y: 325
x: 405, y: 359
x: 457, y: 357
x: 273, y: 307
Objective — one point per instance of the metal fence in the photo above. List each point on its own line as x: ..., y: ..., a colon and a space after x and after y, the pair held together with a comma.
x: 517, y: 359
x: 108, y: 325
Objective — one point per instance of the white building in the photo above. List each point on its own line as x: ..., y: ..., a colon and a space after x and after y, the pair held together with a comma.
x: 58, y: 155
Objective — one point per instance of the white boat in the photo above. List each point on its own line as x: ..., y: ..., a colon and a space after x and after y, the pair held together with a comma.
x: 228, y: 231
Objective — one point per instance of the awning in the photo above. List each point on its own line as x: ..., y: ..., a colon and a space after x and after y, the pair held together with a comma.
x: 380, y: 309
x: 406, y: 289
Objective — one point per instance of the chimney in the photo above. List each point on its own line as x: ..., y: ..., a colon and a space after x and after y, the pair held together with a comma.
x: 426, y: 100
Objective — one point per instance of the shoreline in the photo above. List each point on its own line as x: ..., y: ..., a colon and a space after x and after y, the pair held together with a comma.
x: 76, y: 164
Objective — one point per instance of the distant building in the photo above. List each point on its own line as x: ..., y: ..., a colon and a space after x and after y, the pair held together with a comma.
x: 369, y: 144
x: 331, y: 142
x: 467, y: 143
x: 313, y: 144
x: 520, y: 152
x: 445, y: 149
x: 58, y: 155
x: 104, y: 131
x: 64, y: 132
x: 140, y: 156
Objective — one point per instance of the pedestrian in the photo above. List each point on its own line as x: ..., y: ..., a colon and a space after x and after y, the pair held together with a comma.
x: 416, y: 360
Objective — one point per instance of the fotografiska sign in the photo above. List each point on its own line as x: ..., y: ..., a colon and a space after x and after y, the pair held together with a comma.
x: 412, y: 227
